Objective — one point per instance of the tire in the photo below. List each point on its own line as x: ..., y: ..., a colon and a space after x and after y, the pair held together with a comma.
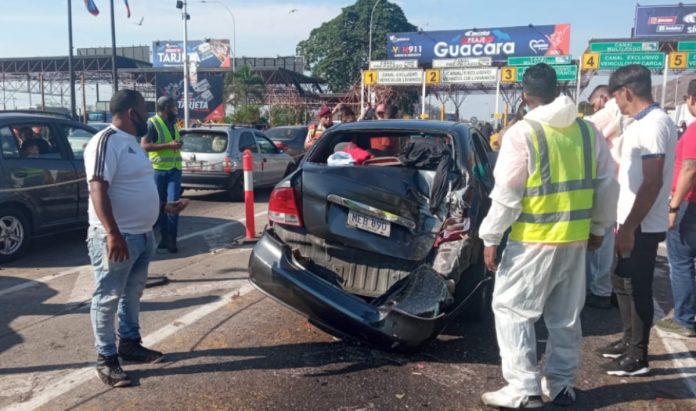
x: 236, y: 191
x: 15, y: 233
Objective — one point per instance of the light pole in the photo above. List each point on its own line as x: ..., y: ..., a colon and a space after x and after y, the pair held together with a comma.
x: 234, y: 29
x: 180, y: 4
x: 369, y: 47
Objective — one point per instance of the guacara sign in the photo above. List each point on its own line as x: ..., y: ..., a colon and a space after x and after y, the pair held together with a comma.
x: 497, y: 43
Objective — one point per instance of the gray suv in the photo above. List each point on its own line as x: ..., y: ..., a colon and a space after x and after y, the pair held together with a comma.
x: 42, y: 178
x: 212, y: 159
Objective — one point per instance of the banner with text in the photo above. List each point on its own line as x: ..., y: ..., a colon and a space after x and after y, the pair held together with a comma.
x: 207, y: 54
x: 206, y: 94
x: 670, y: 20
x: 496, y: 43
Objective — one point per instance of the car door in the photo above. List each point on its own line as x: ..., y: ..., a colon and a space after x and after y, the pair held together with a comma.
x: 77, y: 136
x: 274, y: 161
x: 247, y: 140
x: 38, y: 168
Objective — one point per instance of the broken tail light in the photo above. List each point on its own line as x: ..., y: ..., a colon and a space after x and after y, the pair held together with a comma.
x: 283, y: 208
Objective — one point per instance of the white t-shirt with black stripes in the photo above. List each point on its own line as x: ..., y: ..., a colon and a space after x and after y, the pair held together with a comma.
x: 116, y: 157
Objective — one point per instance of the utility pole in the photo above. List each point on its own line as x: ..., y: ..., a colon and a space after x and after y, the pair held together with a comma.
x: 71, y: 68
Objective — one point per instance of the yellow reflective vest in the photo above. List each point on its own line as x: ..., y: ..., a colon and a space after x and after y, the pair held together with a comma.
x: 168, y: 159
x: 558, y: 198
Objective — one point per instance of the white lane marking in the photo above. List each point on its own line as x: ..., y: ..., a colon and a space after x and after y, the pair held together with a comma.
x: 79, y: 377
x: 674, y: 347
x: 74, y: 270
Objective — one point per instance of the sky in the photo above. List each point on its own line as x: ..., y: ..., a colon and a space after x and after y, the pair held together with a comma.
x: 269, y: 28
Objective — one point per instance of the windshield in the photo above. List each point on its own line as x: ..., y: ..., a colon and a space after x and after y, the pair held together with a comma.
x: 283, y: 133
x: 204, y: 142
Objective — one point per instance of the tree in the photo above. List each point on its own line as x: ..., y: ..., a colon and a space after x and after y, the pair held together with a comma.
x: 244, y: 87
x: 247, y: 114
x: 337, y: 50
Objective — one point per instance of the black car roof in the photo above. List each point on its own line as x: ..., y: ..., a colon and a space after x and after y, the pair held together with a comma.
x: 402, y: 125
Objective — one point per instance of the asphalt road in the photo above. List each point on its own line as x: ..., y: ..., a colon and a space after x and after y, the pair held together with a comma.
x: 229, y: 347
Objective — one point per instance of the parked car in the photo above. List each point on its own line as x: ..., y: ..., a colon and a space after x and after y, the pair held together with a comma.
x: 42, y: 178
x: 385, y: 252
x: 212, y: 159
x: 290, y: 139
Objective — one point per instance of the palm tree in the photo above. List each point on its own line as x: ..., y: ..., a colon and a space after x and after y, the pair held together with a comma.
x: 244, y: 87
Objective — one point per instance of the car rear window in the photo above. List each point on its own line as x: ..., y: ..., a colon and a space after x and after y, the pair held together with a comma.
x: 381, y: 145
x: 283, y: 134
x: 204, y: 142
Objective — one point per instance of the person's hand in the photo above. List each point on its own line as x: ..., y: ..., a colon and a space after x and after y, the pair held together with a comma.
x: 672, y: 220
x: 117, y: 247
x: 176, y: 207
x: 175, y: 145
x: 625, y: 241
x: 594, y: 242
x: 489, y: 255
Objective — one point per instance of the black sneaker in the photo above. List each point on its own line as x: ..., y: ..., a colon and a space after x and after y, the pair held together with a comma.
x: 626, y: 366
x: 133, y: 351
x: 613, y: 350
x: 110, y: 372
x: 596, y: 301
x: 565, y: 398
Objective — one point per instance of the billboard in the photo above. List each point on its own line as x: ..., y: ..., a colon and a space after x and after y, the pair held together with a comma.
x: 206, y: 94
x: 670, y: 21
x: 496, y: 43
x: 208, y: 54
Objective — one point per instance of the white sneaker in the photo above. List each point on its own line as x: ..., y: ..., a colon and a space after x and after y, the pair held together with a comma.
x: 506, y: 398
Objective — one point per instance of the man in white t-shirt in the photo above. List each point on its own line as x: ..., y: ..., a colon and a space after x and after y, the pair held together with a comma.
x: 123, y: 207
x: 645, y: 173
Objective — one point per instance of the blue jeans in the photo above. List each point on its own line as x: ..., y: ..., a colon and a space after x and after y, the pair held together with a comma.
x: 169, y: 189
x: 681, y: 250
x: 598, y: 266
x: 118, y: 288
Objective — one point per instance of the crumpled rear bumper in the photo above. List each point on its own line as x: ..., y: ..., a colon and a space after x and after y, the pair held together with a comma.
x: 276, y: 273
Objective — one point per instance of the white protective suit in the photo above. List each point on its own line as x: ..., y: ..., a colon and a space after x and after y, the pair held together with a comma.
x: 535, y: 279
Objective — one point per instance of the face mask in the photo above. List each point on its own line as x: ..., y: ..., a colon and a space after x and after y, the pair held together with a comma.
x: 140, y: 125
x: 171, y: 116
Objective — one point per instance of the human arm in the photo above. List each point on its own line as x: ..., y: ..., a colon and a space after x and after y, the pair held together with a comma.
x: 148, y: 142
x: 685, y: 183
x: 98, y: 192
x: 511, y: 173
x: 606, y: 190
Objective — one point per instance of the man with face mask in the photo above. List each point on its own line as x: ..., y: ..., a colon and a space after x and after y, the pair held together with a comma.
x: 123, y: 207
x: 163, y: 144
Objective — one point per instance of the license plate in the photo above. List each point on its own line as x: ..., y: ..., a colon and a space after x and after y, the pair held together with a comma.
x: 367, y: 223
x: 196, y: 166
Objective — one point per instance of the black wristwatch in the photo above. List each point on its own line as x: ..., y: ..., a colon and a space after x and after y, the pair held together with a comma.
x: 673, y: 210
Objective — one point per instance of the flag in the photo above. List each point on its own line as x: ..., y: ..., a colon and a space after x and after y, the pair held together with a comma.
x: 127, y: 8
x: 91, y: 7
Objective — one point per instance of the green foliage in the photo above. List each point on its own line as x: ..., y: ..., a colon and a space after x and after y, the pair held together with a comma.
x: 247, y: 114
x: 282, y: 115
x: 337, y: 50
x: 244, y: 87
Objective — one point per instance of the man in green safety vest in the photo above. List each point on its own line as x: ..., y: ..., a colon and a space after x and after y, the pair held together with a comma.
x: 555, y: 187
x: 163, y: 144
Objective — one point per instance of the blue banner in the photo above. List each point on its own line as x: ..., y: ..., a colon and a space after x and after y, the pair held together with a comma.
x: 497, y: 43
x: 677, y: 20
x: 206, y: 54
x: 206, y: 94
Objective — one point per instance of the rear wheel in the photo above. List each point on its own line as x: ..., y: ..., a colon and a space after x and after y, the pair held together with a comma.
x: 15, y: 233
x: 236, y: 190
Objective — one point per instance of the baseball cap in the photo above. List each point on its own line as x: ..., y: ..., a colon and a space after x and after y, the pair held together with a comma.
x: 381, y: 108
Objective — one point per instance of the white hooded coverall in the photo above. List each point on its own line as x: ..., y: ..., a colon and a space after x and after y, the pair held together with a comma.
x: 533, y: 278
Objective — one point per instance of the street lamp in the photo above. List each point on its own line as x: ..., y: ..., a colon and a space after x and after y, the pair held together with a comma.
x: 234, y: 29
x: 180, y: 4
x: 369, y: 53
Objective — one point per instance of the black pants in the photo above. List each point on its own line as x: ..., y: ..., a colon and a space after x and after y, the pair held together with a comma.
x: 632, y: 282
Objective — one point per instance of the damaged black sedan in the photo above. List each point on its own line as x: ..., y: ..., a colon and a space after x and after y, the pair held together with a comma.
x: 374, y: 236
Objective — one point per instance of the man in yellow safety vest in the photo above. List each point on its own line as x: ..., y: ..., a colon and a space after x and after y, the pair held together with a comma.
x: 555, y: 186
x: 163, y: 144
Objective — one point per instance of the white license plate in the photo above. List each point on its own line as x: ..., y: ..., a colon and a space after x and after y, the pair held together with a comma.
x: 367, y: 223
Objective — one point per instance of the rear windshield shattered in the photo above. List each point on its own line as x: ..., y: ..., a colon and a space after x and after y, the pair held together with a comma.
x: 204, y: 142
x: 377, y: 148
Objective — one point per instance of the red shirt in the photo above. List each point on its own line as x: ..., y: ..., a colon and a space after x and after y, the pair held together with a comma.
x: 686, y: 150
x: 358, y: 154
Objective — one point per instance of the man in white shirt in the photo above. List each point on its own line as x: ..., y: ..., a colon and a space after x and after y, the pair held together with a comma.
x: 123, y: 207
x: 645, y: 173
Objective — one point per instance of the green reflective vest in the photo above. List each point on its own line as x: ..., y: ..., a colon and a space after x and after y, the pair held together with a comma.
x: 558, y: 199
x: 164, y: 159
